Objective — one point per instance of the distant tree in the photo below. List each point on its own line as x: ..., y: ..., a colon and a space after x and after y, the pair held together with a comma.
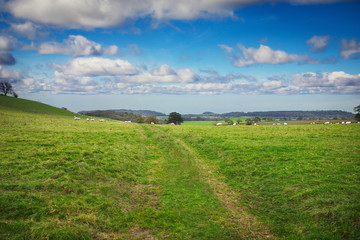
x: 151, y: 119
x: 229, y: 121
x: 299, y: 118
x: 6, y: 88
x: 357, y: 115
x: 257, y: 119
x: 140, y: 119
x: 249, y: 121
x: 238, y: 120
x: 175, y: 117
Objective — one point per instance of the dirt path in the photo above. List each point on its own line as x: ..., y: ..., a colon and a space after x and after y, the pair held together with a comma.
x: 245, y: 224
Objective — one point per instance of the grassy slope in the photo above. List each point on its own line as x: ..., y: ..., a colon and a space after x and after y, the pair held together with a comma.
x: 24, y: 105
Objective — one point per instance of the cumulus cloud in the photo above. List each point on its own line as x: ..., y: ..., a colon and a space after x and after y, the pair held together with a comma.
x: 76, y: 45
x: 9, y: 75
x: 76, y: 84
x: 94, y: 13
x: 5, y: 44
x: 28, y: 30
x: 163, y: 74
x: 318, y: 43
x: 350, y: 50
x: 334, y: 82
x: 96, y: 66
x: 264, y: 55
x: 163, y: 70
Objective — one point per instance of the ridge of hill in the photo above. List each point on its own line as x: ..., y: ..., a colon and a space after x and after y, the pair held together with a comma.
x: 137, y: 112
x: 24, y: 105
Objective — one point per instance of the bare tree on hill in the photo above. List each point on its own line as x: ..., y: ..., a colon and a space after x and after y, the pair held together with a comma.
x: 6, y: 88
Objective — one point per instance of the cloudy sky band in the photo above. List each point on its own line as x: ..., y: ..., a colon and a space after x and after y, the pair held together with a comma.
x: 180, y: 47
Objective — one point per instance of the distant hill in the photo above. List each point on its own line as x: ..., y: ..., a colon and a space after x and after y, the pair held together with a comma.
x: 306, y: 115
x: 330, y: 114
x: 137, y: 112
x: 24, y: 105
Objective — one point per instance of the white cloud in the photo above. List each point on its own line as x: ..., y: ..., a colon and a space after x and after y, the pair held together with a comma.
x: 94, y: 13
x: 226, y: 48
x: 163, y: 74
x: 350, y: 50
x: 5, y: 44
x: 28, y: 30
x: 96, y: 66
x: 10, y: 75
x: 76, y: 45
x: 318, y: 43
x: 334, y: 82
x: 163, y: 70
x: 265, y: 55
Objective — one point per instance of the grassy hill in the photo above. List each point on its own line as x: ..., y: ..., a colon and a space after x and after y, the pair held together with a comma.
x: 66, y: 179
x: 24, y: 105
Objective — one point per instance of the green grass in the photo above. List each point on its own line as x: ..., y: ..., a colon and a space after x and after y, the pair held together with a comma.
x: 66, y: 179
x: 24, y: 105
x: 199, y: 123
x: 69, y: 179
x: 302, y: 180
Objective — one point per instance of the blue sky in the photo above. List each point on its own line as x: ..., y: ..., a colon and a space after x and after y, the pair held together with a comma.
x: 184, y: 56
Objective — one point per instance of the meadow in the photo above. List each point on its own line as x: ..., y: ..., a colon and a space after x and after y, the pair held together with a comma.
x: 66, y: 179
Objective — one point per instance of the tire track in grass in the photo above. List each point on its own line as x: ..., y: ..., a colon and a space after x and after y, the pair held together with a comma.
x: 246, y: 225
x: 187, y: 203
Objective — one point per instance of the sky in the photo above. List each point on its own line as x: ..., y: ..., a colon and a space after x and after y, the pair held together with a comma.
x: 183, y: 55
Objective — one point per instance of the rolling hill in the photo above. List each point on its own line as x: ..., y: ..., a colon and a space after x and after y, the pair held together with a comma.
x: 25, y: 105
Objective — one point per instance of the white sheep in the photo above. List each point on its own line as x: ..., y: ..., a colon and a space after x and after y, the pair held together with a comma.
x: 219, y: 124
x: 285, y: 124
x: 326, y: 123
x: 348, y: 122
x: 102, y: 120
x: 76, y: 118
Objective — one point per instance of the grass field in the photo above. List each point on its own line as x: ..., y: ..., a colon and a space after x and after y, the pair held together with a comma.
x: 66, y: 179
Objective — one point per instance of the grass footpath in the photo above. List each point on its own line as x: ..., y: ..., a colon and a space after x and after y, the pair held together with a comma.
x: 197, y: 212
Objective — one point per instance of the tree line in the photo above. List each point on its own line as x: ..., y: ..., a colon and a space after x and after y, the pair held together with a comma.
x: 174, y: 117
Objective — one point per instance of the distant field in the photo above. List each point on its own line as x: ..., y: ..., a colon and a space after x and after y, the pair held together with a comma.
x: 66, y: 179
